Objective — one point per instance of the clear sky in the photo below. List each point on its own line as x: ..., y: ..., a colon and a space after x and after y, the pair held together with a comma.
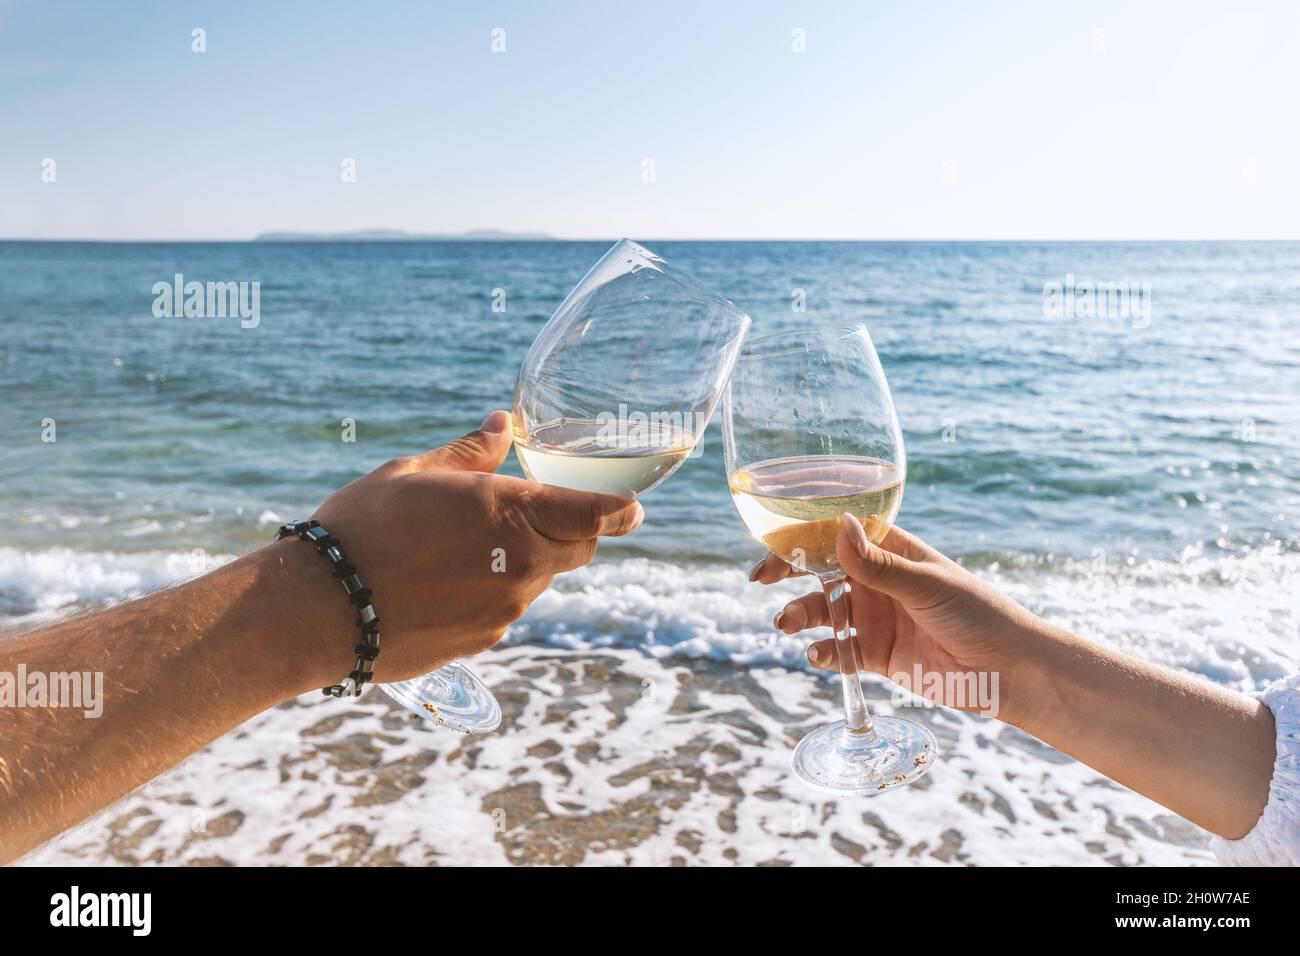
x: 923, y: 119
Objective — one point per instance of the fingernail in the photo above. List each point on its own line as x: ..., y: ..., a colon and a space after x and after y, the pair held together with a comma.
x: 496, y: 422
x: 857, y: 535
x: 814, y: 654
x: 776, y: 621
x: 637, y: 516
x: 753, y: 572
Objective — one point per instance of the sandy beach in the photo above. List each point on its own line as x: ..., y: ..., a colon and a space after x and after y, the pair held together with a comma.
x: 614, y: 757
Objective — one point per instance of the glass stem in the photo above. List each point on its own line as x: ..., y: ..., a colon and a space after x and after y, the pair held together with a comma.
x: 857, y: 720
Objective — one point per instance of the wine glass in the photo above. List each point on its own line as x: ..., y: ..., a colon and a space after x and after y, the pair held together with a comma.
x: 617, y: 389
x: 614, y: 394
x: 810, y: 433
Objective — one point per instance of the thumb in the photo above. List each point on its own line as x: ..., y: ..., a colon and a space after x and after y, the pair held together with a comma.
x: 910, y: 582
x: 481, y: 450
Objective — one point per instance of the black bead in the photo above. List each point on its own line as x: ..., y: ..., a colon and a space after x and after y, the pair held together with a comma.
x: 358, y: 594
x: 289, y: 528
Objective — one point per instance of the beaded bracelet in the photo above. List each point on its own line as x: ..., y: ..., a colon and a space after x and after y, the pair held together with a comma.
x: 360, y: 595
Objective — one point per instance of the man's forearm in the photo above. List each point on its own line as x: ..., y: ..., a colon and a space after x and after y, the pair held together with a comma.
x: 1203, y: 751
x: 180, y: 668
x: 183, y: 667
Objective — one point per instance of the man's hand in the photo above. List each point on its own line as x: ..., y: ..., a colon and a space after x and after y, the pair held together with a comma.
x: 453, y: 552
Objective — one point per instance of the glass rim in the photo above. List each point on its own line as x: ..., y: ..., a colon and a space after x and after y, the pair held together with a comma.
x: 823, y: 332
x: 637, y: 249
x: 738, y: 316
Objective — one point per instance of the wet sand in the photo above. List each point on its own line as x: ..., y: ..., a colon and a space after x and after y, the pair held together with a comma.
x: 615, y: 757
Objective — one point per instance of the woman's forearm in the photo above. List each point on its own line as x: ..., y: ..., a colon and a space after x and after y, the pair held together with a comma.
x: 1203, y: 751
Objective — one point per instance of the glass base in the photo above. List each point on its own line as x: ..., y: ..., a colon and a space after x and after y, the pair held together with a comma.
x: 895, y: 753
x: 451, y: 697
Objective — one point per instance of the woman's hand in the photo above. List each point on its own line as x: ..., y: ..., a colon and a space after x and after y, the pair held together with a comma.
x: 1200, y: 749
x: 912, y: 606
x: 453, y: 553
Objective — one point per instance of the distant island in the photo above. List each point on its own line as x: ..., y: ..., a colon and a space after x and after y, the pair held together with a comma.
x: 397, y: 235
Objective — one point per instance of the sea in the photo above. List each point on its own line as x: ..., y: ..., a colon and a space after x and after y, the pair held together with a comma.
x: 1109, y: 432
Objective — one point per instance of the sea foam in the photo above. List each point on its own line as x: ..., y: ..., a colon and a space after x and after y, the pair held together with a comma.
x: 1234, y: 619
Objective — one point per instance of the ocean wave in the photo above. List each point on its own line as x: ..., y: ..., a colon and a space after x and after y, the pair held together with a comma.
x: 1232, y: 617
x: 40, y: 585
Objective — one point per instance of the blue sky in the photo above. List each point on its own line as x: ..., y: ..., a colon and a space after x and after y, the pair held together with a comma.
x: 899, y: 120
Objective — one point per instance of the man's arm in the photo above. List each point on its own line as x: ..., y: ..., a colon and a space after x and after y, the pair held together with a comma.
x: 180, y: 668
x: 184, y: 666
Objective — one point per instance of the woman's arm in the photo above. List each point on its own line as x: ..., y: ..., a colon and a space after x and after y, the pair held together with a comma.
x: 1201, y: 750
x: 452, y: 552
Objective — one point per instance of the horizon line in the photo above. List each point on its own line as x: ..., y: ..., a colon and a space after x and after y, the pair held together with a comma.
x: 315, y: 239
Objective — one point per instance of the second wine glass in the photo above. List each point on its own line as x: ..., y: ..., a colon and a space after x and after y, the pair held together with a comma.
x: 810, y: 433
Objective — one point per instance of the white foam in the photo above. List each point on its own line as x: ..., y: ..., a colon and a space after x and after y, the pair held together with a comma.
x: 1233, y: 618
x: 613, y: 782
x: 36, y: 585
x: 664, y: 609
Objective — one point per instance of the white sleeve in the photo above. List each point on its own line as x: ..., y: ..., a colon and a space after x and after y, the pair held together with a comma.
x: 1275, y: 839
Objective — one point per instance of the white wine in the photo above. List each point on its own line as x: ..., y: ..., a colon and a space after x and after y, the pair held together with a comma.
x: 611, y: 457
x: 793, y: 505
